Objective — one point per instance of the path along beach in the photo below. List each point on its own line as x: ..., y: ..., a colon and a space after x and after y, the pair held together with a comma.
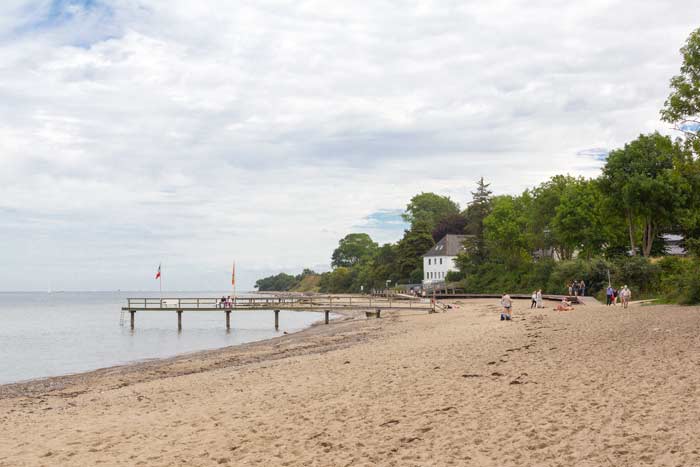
x: 592, y: 387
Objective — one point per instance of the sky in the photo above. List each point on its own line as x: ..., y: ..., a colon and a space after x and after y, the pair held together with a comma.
x: 193, y: 134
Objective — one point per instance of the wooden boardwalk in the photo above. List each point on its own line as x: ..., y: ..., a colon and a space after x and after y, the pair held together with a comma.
x: 315, y: 303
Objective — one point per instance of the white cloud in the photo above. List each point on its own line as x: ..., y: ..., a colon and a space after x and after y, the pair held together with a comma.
x: 199, y: 132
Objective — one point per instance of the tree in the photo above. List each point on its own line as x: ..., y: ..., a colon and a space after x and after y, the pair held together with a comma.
x: 385, y: 266
x: 477, y: 210
x: 430, y: 209
x: 504, y: 230
x: 682, y: 107
x: 278, y: 283
x: 337, y: 281
x: 352, y: 249
x: 452, y: 224
x: 547, y: 198
x: 580, y: 222
x: 645, y: 187
x: 411, y: 248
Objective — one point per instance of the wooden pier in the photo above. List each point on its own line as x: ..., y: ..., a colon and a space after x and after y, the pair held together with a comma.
x: 315, y: 303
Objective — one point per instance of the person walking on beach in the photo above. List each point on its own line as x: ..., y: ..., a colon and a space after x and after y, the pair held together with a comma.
x: 571, y: 289
x: 609, y: 295
x: 582, y: 286
x: 625, y: 295
x: 539, y: 299
x: 534, y: 300
x: 507, y: 305
x: 575, y: 287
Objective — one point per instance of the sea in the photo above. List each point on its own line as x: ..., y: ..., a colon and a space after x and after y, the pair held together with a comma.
x: 51, y: 334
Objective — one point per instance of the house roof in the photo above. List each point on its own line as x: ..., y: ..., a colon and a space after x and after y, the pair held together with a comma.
x: 449, y: 245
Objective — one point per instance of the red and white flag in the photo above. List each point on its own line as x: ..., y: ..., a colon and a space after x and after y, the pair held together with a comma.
x: 158, y: 273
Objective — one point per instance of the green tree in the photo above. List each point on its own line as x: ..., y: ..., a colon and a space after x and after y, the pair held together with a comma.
x: 477, y: 210
x: 411, y: 248
x: 430, y: 209
x: 352, y: 249
x: 338, y: 280
x: 682, y: 107
x: 646, y: 189
x: 385, y: 266
x: 277, y: 283
x: 505, y: 230
x: 580, y: 222
x: 452, y: 224
x: 542, y: 212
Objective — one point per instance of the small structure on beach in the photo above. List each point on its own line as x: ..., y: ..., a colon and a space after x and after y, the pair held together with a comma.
x: 440, y: 259
x: 673, y: 244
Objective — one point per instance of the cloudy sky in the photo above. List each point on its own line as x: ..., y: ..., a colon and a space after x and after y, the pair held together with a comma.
x: 194, y: 133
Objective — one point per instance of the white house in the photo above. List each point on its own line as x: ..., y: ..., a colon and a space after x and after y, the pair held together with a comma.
x: 440, y: 259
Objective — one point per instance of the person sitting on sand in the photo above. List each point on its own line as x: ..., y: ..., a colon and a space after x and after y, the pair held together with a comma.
x: 507, y: 305
x: 565, y: 305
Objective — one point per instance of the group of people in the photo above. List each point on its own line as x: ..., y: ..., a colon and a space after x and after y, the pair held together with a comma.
x: 577, y: 288
x: 536, y: 299
x: 623, y: 294
x: 225, y: 302
x: 507, y: 304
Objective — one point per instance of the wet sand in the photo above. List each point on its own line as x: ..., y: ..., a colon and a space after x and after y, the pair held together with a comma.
x: 592, y: 387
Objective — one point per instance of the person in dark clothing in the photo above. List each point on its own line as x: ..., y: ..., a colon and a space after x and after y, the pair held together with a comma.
x: 609, y: 292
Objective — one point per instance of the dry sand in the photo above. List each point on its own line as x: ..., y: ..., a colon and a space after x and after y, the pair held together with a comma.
x: 592, y: 387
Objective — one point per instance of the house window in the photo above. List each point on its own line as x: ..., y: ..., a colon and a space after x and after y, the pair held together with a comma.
x: 428, y: 261
x: 440, y: 260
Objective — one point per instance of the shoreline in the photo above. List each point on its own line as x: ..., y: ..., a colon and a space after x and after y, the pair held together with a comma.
x: 37, y: 387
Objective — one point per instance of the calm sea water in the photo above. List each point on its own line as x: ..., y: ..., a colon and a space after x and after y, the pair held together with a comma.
x: 54, y: 334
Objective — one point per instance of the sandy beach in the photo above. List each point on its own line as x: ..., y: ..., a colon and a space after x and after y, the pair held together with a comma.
x: 592, y: 387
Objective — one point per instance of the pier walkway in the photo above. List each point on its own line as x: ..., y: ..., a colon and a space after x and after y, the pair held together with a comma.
x: 315, y: 303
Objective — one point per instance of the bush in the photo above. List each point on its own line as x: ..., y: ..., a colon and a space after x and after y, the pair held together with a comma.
x: 638, y: 273
x: 454, y: 276
x: 679, y: 280
x: 593, y: 272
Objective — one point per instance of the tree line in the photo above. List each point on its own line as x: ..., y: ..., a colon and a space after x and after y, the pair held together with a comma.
x: 564, y: 229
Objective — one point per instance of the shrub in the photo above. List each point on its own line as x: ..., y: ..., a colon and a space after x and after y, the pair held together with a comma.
x: 454, y: 276
x: 593, y: 272
x: 638, y: 273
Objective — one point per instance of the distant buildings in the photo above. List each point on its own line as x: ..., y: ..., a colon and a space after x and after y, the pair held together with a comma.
x: 440, y: 259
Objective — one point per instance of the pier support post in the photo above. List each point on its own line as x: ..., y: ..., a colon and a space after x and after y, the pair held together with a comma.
x: 277, y: 320
x: 228, y: 319
x: 179, y: 320
x: 327, y: 312
x: 133, y: 318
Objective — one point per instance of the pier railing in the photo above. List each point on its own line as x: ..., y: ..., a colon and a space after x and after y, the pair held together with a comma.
x: 322, y: 303
x: 291, y: 302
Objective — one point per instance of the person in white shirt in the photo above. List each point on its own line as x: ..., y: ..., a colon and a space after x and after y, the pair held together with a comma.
x: 539, y: 299
x: 625, y: 295
x: 507, y: 305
